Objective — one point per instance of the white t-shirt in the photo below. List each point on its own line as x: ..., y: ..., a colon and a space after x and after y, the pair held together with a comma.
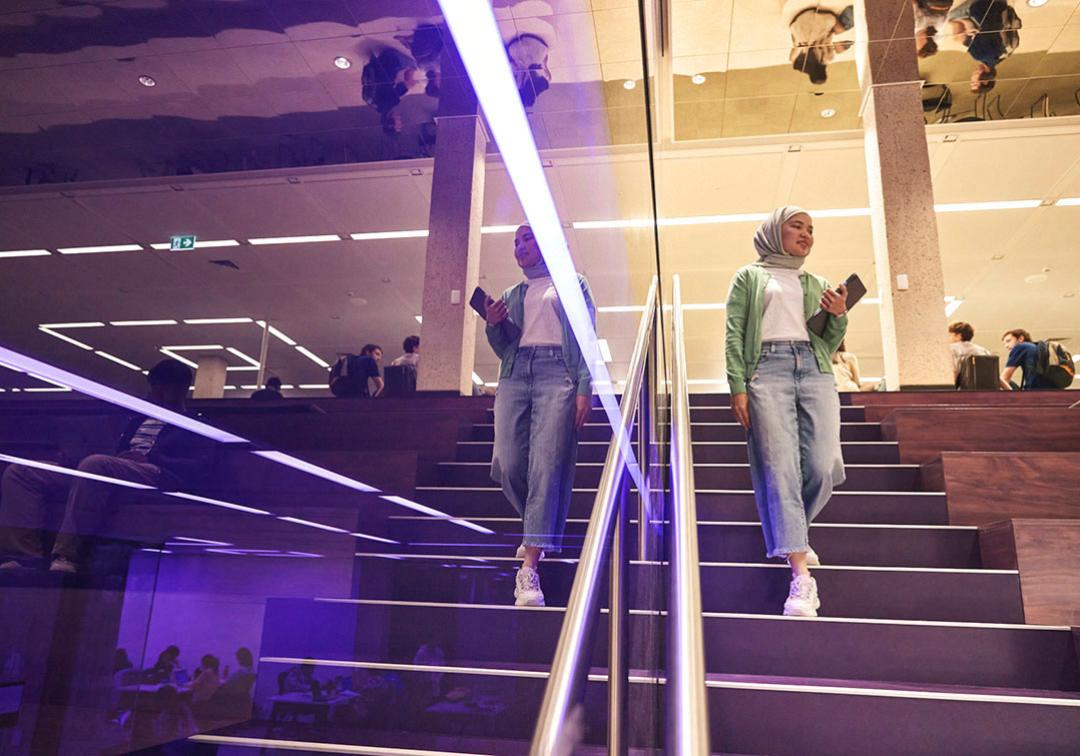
x: 962, y: 349
x: 784, y: 319
x: 542, y: 326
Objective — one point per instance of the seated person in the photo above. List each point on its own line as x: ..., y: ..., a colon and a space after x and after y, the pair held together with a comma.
x: 961, y: 345
x: 411, y: 357
x: 845, y: 367
x: 149, y: 452
x: 207, y: 680
x: 1022, y: 354
x: 270, y: 392
x: 167, y: 664
x: 300, y: 679
x: 350, y: 375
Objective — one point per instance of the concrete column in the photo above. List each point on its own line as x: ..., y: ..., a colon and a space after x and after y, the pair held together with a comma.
x: 452, y: 269
x: 210, y: 378
x: 907, y: 256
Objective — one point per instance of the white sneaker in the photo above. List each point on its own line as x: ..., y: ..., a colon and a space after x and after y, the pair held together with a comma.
x: 812, y: 559
x: 63, y: 564
x: 527, y: 589
x: 520, y: 554
x: 11, y: 564
x: 802, y: 600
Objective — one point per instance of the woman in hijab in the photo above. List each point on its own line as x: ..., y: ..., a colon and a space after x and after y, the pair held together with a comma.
x: 783, y: 392
x: 543, y: 400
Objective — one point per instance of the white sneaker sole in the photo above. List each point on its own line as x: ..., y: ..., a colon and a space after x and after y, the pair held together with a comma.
x: 530, y: 599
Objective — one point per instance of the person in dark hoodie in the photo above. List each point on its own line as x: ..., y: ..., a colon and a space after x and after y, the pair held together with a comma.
x: 149, y: 452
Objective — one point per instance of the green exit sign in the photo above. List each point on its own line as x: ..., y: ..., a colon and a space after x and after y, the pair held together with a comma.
x: 181, y: 243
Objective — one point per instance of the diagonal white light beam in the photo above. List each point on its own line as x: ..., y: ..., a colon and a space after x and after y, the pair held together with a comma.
x: 476, y: 36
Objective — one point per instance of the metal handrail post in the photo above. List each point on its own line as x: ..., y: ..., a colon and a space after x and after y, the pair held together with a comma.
x: 645, y: 440
x: 687, y: 700
x: 570, y: 664
x: 619, y: 636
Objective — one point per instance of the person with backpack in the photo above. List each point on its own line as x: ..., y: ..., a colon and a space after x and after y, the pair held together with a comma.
x: 1046, y: 364
x: 350, y: 374
x: 543, y: 400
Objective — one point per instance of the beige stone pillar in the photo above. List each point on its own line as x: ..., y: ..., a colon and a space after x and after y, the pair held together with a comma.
x: 909, y: 273
x: 452, y: 267
x: 210, y: 378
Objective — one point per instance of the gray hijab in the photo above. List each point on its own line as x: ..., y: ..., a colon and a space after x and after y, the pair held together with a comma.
x: 768, y: 240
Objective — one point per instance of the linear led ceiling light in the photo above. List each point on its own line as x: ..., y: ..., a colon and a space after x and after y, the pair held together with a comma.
x: 478, y: 41
x: 373, y: 235
x: 312, y: 356
x: 124, y: 323
x: 275, y: 332
x: 85, y: 324
x: 960, y: 207
x: 99, y: 249
x: 294, y: 239
x: 117, y: 360
x: 216, y: 321
x: 1068, y: 202
x: 249, y: 360
x: 26, y: 253
x: 68, y: 339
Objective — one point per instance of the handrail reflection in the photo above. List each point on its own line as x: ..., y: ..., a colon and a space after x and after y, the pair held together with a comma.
x: 687, y: 699
x: 557, y: 722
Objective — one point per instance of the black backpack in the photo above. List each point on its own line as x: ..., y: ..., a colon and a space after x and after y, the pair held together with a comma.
x: 1054, y: 364
x: 343, y: 382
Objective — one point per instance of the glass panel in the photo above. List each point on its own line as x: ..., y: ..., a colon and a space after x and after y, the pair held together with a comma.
x: 248, y: 193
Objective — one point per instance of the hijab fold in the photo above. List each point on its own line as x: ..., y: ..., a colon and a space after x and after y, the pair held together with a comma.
x: 768, y: 240
x: 540, y: 270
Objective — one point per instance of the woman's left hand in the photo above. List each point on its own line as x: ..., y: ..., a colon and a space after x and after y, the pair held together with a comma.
x: 835, y: 303
x: 584, y: 404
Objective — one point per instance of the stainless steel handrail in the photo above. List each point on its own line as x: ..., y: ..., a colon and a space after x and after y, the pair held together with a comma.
x: 557, y: 725
x: 687, y: 702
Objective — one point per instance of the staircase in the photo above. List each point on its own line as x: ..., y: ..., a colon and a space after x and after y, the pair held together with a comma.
x: 917, y: 649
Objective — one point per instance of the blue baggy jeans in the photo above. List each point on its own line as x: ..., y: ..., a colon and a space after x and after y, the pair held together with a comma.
x: 794, y: 443
x: 536, y: 443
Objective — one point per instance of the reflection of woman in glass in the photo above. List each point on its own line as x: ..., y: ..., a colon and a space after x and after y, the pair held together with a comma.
x: 543, y: 400
x: 783, y: 392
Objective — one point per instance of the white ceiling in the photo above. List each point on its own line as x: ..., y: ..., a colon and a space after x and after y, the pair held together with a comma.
x: 336, y: 296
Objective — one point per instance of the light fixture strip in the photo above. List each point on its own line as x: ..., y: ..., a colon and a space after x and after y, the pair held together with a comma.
x: 100, y: 249
x: 312, y: 356
x: 216, y: 321
x: 166, y: 246
x: 173, y: 355
x: 26, y: 253
x: 310, y: 524
x: 85, y: 324
x: 126, y: 323
x: 251, y: 361
x: 276, y: 332
x: 117, y: 360
x: 419, y: 233
x: 311, y: 239
x: 68, y: 339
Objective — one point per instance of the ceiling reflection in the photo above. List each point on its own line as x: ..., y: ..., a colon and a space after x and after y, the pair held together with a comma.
x: 108, y: 90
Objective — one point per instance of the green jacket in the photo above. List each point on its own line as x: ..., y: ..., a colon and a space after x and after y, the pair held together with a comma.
x: 745, y: 310
x: 506, y: 350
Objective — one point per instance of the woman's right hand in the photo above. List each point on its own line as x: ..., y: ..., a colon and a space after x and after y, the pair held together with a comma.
x: 740, y: 405
x: 496, y: 311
